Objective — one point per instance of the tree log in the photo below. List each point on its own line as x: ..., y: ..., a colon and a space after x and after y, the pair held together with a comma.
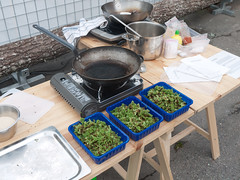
x: 166, y: 9
x: 25, y: 53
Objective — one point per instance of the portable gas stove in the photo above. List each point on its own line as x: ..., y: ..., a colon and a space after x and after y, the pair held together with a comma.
x: 87, y: 101
x: 111, y: 33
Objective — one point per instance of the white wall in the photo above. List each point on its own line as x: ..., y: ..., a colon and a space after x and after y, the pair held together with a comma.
x: 18, y: 16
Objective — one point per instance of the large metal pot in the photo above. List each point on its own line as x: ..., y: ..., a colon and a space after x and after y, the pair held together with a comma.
x: 127, y: 11
x: 150, y: 44
x: 102, y: 67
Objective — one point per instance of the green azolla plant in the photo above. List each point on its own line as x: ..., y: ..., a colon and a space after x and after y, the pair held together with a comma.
x: 166, y: 99
x: 134, y: 116
x: 97, y: 136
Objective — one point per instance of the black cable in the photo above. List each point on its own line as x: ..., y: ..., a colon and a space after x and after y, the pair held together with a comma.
x: 52, y: 71
x: 5, y: 79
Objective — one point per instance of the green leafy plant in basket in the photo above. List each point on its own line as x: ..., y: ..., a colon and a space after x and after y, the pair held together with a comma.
x: 97, y: 136
x: 166, y: 99
x: 134, y: 116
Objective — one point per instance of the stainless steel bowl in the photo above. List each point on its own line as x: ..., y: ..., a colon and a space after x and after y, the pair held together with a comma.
x: 8, y: 112
x: 150, y: 44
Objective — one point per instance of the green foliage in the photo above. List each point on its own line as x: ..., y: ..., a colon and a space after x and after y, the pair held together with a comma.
x: 179, y: 145
x: 166, y: 99
x: 97, y: 136
x: 134, y: 116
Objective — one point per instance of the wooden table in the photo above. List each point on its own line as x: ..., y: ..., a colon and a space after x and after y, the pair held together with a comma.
x: 201, y: 101
x: 62, y: 115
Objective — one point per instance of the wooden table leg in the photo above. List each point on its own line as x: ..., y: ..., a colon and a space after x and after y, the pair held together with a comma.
x: 163, y: 158
x: 166, y: 139
x: 167, y: 143
x: 134, y: 164
x: 212, y: 126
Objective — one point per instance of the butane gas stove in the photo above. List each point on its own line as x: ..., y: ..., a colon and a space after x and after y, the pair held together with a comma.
x: 87, y: 101
x: 112, y: 33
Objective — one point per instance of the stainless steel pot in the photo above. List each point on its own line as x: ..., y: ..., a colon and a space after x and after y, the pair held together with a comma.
x: 127, y: 11
x: 150, y: 44
x: 10, y: 115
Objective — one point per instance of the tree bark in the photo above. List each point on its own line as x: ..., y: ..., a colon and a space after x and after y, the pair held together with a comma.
x: 25, y: 53
x: 167, y: 9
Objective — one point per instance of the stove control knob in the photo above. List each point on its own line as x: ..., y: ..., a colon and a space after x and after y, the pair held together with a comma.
x: 89, y: 109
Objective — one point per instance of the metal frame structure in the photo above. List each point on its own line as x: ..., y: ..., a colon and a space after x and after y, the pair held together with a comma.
x: 223, y: 8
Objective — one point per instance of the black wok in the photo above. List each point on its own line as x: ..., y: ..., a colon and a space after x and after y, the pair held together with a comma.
x: 102, y: 67
x: 127, y: 11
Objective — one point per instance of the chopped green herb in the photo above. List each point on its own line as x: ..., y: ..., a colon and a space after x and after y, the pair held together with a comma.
x: 134, y: 116
x: 166, y: 99
x: 97, y: 136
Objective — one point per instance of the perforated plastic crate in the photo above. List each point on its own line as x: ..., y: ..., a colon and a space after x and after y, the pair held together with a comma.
x: 122, y: 126
x: 112, y: 152
x: 167, y: 116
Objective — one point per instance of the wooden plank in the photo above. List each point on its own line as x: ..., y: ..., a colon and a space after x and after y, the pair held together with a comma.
x: 182, y: 134
x: 91, y: 42
x: 134, y: 164
x: 162, y: 158
x: 198, y: 129
x: 120, y: 170
x: 152, y: 162
x: 151, y: 153
x: 212, y: 126
x: 167, y: 143
x: 166, y: 127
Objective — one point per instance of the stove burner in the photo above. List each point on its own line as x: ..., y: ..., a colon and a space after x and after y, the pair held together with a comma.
x: 111, y: 33
x: 114, y: 28
x: 100, y: 91
x: 87, y: 101
x: 88, y: 85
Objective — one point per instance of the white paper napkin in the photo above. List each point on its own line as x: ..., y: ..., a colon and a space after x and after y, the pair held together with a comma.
x: 195, y: 69
x: 74, y: 32
x: 207, y: 68
x: 31, y: 107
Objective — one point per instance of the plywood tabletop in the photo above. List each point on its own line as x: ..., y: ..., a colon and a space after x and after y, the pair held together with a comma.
x: 155, y: 73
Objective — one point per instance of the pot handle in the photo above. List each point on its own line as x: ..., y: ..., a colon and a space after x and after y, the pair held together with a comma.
x: 143, y: 67
x: 60, y: 40
x: 122, y: 42
x: 130, y: 37
x: 141, y: 58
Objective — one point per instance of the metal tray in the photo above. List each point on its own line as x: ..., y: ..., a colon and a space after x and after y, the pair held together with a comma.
x: 44, y: 155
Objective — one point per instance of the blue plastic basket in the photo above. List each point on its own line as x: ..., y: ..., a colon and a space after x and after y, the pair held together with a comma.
x: 167, y: 116
x: 112, y: 152
x: 122, y: 126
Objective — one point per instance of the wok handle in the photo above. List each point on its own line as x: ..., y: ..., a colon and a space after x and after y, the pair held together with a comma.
x: 63, y: 42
